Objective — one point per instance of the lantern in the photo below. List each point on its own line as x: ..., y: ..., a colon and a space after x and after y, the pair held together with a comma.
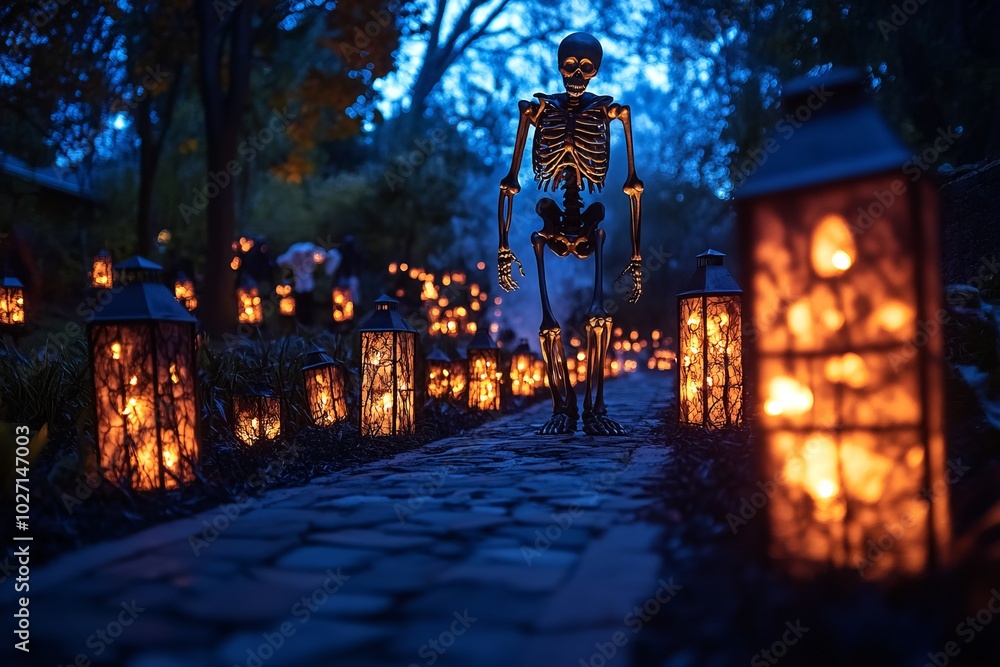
x: 286, y: 302
x: 438, y: 374
x: 387, y: 357
x: 484, y: 372
x: 538, y: 373
x: 250, y: 309
x: 101, y: 276
x: 142, y: 357
x: 458, y: 379
x: 325, y: 391
x: 522, y: 380
x: 343, y: 305
x: 711, y: 343
x: 184, y: 292
x: 256, y: 415
x: 11, y: 302
x: 847, y: 378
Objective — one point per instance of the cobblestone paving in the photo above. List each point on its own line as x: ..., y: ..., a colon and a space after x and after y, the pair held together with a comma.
x: 494, y: 548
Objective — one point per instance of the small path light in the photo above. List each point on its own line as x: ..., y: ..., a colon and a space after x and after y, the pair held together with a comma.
x: 709, y: 317
x: 325, y: 388
x: 255, y: 415
x: 522, y: 378
x: 484, y: 372
x: 343, y: 304
x: 11, y: 302
x: 101, y: 275
x: 438, y: 374
x: 387, y: 371
x: 251, y: 310
x: 142, y: 357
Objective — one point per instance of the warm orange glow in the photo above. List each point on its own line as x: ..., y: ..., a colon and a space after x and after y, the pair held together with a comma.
x: 145, y: 403
x: 387, y: 400
x: 481, y: 265
x: 438, y: 378
x: 250, y: 308
x: 343, y: 304
x: 11, y: 303
x: 484, y: 379
x: 711, y: 367
x: 256, y: 417
x: 833, y: 248
x: 325, y: 394
x: 522, y: 378
x: 184, y: 292
x: 236, y: 263
x: 101, y: 276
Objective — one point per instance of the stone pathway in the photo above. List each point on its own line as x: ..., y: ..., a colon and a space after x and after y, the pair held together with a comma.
x: 494, y: 548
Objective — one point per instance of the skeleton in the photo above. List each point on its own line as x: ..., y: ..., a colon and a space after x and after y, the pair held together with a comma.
x: 571, y: 151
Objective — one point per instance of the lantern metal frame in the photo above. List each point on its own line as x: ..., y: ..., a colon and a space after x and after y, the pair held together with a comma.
x: 143, y: 352
x: 711, y: 296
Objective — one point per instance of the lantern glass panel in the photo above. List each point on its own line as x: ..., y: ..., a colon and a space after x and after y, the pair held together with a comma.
x: 850, y: 402
x: 343, y: 304
x: 325, y: 394
x: 458, y: 378
x: 438, y: 378
x: 522, y: 378
x: 145, y: 403
x: 711, y: 369
x: 256, y: 417
x: 387, y: 382
x: 101, y: 276
x: 484, y: 379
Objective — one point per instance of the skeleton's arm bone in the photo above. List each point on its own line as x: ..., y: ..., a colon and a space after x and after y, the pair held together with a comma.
x: 528, y: 113
x: 633, y: 185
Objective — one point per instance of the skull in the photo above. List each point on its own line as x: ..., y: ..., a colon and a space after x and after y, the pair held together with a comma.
x: 579, y: 59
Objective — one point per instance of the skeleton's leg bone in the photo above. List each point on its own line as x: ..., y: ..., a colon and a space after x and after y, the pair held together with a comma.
x: 564, y: 411
x: 598, y: 328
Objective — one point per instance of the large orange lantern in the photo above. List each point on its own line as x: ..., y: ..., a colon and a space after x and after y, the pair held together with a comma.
x: 325, y: 388
x: 522, y: 379
x: 387, y: 371
x: 251, y: 310
x: 484, y: 372
x: 709, y: 317
x: 101, y: 274
x: 842, y: 251
x: 438, y: 374
x: 142, y: 356
x: 11, y: 302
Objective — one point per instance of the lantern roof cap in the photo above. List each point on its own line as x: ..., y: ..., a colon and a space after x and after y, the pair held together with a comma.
x: 386, y: 317
x: 317, y: 358
x: 12, y: 281
x: 142, y: 297
x: 482, y: 340
x: 837, y: 134
x: 711, y: 276
x: 437, y: 354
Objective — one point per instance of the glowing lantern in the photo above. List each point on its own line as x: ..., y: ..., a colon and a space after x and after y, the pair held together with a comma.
x: 101, y: 276
x: 184, y: 292
x: 711, y: 344
x: 387, y: 355
x: 538, y: 373
x: 343, y: 304
x: 250, y: 309
x: 847, y: 380
x: 522, y: 379
x: 438, y: 374
x: 484, y: 372
x: 256, y: 415
x: 459, y: 378
x: 286, y: 302
x: 11, y: 302
x: 142, y: 356
x: 325, y: 392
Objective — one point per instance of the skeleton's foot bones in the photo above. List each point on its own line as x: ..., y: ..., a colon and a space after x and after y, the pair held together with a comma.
x: 560, y: 424
x: 595, y: 424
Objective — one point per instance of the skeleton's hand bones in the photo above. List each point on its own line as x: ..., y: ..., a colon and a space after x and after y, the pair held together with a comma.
x: 505, y: 259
